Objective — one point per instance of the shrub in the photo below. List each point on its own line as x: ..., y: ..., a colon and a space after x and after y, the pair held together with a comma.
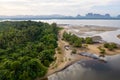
x: 74, y: 51
x: 102, y: 50
x: 110, y: 46
x: 106, y: 45
x: 88, y: 40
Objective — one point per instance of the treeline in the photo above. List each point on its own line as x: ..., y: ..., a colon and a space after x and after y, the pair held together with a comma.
x: 26, y: 49
x: 76, y: 41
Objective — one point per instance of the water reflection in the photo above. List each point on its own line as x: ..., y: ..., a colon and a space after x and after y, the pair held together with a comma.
x: 91, y: 70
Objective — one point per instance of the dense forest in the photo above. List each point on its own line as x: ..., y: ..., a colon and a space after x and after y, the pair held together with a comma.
x: 26, y: 49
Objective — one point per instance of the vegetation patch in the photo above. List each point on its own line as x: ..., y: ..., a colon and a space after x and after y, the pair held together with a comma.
x: 76, y: 41
x: 102, y: 51
x: 110, y: 46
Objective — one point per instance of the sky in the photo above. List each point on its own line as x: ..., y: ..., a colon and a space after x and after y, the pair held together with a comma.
x: 63, y: 7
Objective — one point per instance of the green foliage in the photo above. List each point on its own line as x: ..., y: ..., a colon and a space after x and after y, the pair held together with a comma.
x: 88, y: 40
x: 110, y: 46
x: 74, y: 51
x: 114, y: 45
x: 73, y: 39
x: 102, y: 50
x: 26, y: 49
x: 76, y: 41
x: 106, y: 45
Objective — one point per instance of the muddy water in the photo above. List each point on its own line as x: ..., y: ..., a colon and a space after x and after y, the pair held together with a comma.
x: 91, y: 70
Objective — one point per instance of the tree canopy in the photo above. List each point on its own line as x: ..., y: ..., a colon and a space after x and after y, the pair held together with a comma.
x: 26, y: 49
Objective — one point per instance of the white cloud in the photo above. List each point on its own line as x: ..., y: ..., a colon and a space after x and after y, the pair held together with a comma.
x: 42, y: 7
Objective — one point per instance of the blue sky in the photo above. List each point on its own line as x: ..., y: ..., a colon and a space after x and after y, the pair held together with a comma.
x: 64, y: 7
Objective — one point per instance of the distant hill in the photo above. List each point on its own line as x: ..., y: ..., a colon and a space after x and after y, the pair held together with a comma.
x: 57, y: 16
x: 91, y: 15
